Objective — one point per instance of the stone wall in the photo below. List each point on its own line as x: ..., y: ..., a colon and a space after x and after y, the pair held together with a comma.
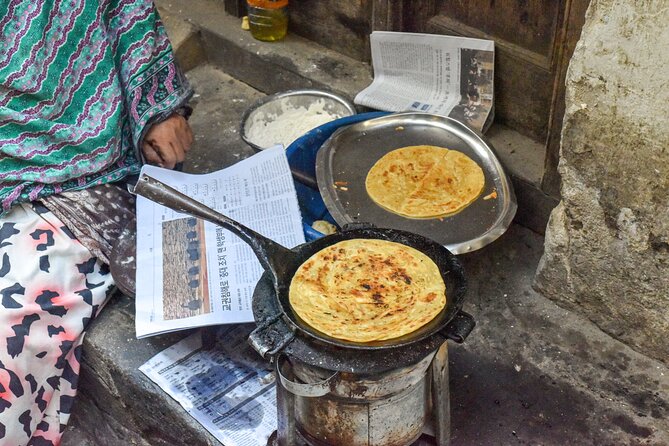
x: 607, y: 243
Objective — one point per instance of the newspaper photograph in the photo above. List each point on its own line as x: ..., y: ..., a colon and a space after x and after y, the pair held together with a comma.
x: 446, y: 75
x: 228, y: 389
x: 192, y: 273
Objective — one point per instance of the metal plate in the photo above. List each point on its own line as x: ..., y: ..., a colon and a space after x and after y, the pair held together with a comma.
x: 351, y: 151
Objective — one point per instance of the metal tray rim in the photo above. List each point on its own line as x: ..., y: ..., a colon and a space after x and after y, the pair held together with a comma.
x: 498, y: 227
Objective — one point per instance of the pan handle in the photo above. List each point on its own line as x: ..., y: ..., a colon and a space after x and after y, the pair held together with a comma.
x: 459, y: 327
x: 272, y: 256
x: 271, y: 337
x: 355, y: 225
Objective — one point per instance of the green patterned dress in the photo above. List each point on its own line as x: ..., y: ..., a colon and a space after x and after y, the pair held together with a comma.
x: 79, y: 82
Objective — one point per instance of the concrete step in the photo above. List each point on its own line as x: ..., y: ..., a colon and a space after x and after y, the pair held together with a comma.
x: 530, y: 373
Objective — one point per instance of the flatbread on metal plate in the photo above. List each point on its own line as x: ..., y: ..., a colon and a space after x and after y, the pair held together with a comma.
x: 424, y: 181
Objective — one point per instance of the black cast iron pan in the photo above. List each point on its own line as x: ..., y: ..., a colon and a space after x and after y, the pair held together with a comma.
x: 281, y: 263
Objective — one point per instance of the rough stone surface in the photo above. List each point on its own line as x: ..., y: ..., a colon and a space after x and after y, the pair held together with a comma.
x: 607, y: 247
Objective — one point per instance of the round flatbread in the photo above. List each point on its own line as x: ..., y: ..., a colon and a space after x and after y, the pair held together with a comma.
x: 424, y: 181
x: 365, y: 290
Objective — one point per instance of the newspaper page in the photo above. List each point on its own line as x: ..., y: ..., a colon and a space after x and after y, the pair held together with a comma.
x: 228, y: 389
x: 192, y: 273
x: 446, y: 75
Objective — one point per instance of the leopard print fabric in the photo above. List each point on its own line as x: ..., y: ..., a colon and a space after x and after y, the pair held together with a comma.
x: 51, y: 288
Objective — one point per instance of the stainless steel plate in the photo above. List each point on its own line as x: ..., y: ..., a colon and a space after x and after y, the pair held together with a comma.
x: 350, y: 152
x: 270, y: 108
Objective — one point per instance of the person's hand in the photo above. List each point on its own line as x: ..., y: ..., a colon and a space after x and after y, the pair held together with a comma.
x: 167, y: 142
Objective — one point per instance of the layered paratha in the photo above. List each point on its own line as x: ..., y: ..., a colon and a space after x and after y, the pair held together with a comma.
x: 365, y: 290
x: 424, y: 181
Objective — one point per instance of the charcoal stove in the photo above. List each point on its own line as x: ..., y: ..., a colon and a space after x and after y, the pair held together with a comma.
x: 332, y: 396
x: 333, y: 392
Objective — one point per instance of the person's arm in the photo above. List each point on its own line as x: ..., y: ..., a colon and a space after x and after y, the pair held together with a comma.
x: 155, y: 89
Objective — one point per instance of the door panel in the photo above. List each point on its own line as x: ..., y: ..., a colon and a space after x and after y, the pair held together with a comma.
x: 525, y: 34
x: 523, y: 79
x: 529, y: 24
x: 341, y: 26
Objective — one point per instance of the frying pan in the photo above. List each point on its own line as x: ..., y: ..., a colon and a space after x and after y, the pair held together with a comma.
x: 281, y: 263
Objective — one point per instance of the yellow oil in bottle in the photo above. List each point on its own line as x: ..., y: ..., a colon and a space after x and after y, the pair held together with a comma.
x: 268, y: 19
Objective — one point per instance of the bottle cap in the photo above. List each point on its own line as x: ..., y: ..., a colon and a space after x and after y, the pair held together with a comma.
x: 267, y: 4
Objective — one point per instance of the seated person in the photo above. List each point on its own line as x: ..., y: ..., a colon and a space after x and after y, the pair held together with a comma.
x: 88, y: 90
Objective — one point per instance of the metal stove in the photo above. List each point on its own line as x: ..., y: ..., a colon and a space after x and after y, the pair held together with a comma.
x: 335, y: 393
x: 332, y: 396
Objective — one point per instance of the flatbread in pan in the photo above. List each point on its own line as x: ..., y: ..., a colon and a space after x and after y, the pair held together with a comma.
x: 365, y: 290
x: 424, y: 181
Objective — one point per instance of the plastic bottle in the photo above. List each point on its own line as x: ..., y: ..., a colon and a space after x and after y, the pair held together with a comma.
x: 268, y: 19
